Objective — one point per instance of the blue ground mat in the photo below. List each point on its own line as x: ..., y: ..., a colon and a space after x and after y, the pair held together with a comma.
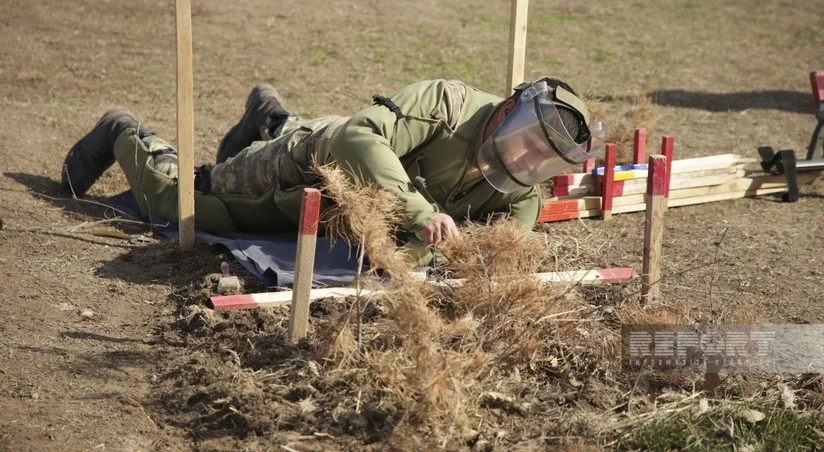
x: 270, y: 257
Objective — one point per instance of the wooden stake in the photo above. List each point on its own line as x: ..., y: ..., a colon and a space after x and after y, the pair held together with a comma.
x: 667, y: 149
x: 817, y: 83
x: 609, y: 181
x: 517, y: 43
x: 654, y: 227
x: 304, y: 264
x: 185, y: 126
x: 640, y: 146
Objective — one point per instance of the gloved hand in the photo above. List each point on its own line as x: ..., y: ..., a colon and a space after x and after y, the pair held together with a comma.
x: 442, y: 227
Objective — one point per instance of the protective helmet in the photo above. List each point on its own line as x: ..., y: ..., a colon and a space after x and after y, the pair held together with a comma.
x: 532, y: 144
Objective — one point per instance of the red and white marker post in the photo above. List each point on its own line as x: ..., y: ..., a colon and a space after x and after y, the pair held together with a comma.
x: 607, y: 188
x: 304, y: 264
x: 654, y: 226
x: 639, y: 149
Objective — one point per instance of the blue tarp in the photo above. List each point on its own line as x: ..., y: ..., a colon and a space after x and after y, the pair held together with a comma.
x: 270, y: 257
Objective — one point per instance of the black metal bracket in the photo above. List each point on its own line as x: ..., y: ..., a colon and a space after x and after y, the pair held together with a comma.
x: 817, y: 140
x: 783, y: 162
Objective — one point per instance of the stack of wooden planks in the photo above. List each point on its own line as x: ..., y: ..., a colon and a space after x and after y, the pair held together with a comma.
x: 691, y: 181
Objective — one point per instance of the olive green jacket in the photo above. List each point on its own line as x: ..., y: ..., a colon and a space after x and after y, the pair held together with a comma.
x: 434, y: 134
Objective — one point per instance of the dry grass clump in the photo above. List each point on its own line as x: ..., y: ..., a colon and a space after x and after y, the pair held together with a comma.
x: 499, y: 298
x: 429, y: 352
x: 417, y: 372
x: 364, y: 216
x: 642, y: 113
x: 620, y: 125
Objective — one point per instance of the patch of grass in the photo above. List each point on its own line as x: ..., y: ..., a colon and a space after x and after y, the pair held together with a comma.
x: 643, y: 51
x: 559, y: 18
x: 810, y: 36
x: 601, y: 56
x: 319, y: 55
x: 487, y: 21
x: 727, y: 427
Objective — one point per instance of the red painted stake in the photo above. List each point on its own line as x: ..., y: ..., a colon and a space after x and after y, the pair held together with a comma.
x: 304, y: 264
x: 589, y: 165
x: 609, y: 181
x: 817, y: 82
x: 640, y: 146
x: 667, y: 148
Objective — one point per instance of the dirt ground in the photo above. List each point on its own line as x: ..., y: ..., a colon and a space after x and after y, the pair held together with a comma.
x: 99, y: 346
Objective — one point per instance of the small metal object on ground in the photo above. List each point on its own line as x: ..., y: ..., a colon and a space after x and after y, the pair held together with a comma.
x: 227, y: 283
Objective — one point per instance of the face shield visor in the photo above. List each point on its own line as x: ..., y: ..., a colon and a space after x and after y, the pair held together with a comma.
x: 532, y: 144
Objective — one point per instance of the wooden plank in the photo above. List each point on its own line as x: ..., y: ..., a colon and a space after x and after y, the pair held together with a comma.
x: 185, y: 125
x: 517, y: 43
x: 656, y: 205
x: 609, y: 182
x: 776, y: 183
x: 545, y: 217
x: 639, y: 148
x: 639, y: 185
x: 715, y: 162
x: 617, y: 275
x: 630, y: 194
x: 277, y: 299
x: 634, y: 187
x: 763, y: 185
x: 304, y: 263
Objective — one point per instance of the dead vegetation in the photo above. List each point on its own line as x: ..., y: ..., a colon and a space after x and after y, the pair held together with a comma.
x: 435, y: 365
x: 621, y: 120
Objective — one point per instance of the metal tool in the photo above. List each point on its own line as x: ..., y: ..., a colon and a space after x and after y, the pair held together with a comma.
x: 785, y: 161
x: 227, y: 283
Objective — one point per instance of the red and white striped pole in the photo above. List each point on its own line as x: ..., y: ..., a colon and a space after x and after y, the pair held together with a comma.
x: 640, y: 146
x: 607, y: 188
x: 654, y: 226
x: 304, y: 264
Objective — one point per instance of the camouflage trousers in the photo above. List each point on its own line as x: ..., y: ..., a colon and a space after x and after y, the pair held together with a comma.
x: 259, y: 190
x: 286, y: 159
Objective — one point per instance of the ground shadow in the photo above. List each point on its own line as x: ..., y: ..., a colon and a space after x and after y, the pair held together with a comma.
x: 789, y: 101
x: 98, y: 365
x: 49, y: 190
x: 98, y: 337
x: 783, y: 100
x: 160, y: 262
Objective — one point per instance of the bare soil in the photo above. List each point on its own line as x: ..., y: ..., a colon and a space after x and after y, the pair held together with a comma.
x: 104, y: 344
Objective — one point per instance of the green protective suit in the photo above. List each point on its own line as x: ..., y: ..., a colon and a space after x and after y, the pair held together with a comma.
x: 434, y: 134
x: 430, y: 130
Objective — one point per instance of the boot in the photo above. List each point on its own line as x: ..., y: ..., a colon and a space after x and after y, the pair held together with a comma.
x: 94, y: 153
x: 264, y: 108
